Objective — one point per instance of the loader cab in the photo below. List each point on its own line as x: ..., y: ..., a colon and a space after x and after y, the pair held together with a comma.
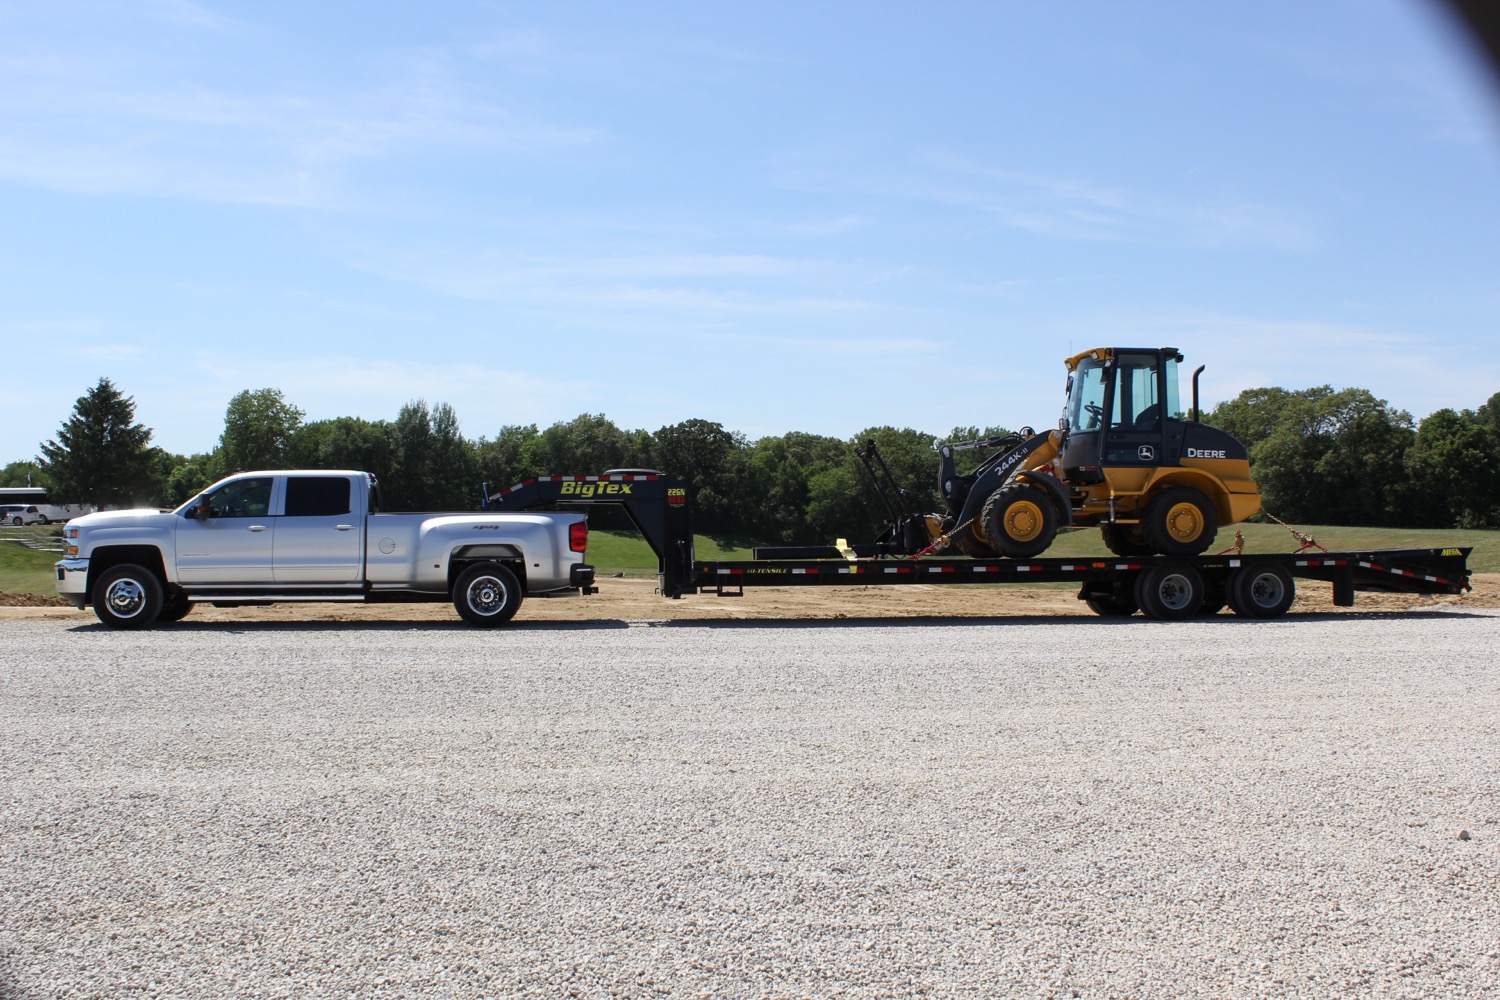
x: 1122, y: 412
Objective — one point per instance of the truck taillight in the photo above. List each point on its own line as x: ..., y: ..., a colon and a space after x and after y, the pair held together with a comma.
x: 578, y: 536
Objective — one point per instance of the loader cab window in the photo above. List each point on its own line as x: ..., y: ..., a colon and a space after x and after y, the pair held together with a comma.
x: 1087, y: 396
x: 1139, y: 406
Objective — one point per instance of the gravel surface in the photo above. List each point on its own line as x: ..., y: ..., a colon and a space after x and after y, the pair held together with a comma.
x: 1039, y: 808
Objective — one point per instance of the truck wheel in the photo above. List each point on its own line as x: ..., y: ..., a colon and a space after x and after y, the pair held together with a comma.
x: 1170, y: 593
x: 1180, y: 521
x: 1019, y: 520
x: 127, y: 596
x: 175, y: 609
x: 1264, y: 591
x: 487, y: 594
x: 1124, y: 539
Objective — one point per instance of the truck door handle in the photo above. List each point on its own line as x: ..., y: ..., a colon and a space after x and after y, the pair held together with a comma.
x: 344, y: 527
x: 257, y: 527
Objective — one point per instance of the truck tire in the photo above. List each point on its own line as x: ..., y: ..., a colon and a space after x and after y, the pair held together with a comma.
x: 127, y: 596
x: 1180, y: 521
x: 487, y: 594
x: 1019, y: 520
x: 1170, y: 592
x: 175, y: 608
x: 1261, y: 591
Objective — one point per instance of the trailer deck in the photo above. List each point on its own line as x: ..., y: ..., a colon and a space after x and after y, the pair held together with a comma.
x: 1256, y: 585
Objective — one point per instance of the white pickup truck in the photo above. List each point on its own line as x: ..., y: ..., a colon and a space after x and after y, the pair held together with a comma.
x: 268, y: 537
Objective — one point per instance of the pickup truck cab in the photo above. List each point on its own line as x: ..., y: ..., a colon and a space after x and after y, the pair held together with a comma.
x: 269, y: 537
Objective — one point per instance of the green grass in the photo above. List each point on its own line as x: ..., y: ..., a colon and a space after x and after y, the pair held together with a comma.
x: 24, y: 570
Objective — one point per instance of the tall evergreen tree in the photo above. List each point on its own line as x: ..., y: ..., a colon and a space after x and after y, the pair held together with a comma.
x: 101, y: 456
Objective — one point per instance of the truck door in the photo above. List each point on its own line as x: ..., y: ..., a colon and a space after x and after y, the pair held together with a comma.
x: 319, y: 536
x: 226, y: 537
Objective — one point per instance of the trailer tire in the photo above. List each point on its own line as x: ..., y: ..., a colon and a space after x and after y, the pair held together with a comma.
x: 1180, y: 521
x: 486, y: 594
x: 127, y: 596
x: 1020, y: 520
x: 1111, y: 606
x: 1170, y: 592
x: 1261, y: 591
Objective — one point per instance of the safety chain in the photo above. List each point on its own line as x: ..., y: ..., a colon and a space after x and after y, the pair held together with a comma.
x: 1308, y: 541
x: 942, y: 541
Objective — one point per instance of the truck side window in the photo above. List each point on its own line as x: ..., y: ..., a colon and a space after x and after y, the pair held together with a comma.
x: 317, y: 496
x: 241, y: 498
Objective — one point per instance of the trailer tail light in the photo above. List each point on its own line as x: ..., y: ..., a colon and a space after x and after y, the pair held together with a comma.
x: 578, y: 536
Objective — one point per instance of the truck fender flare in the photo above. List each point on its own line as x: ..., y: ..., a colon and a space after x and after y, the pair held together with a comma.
x: 1053, y: 486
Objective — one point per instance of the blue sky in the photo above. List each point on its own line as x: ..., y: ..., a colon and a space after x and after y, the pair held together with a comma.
x: 778, y: 216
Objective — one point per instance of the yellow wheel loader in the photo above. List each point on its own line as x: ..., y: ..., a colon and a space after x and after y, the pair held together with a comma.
x: 1124, y: 457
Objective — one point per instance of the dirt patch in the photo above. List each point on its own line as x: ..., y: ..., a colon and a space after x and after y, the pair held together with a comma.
x: 636, y: 600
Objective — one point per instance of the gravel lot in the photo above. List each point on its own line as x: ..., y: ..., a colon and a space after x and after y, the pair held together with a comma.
x: 1065, y: 807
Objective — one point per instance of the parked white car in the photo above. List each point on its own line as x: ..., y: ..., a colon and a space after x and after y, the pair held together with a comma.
x: 18, y: 514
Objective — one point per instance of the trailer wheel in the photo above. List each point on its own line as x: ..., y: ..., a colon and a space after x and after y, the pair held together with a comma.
x: 1112, y: 606
x: 1180, y: 521
x: 1264, y: 591
x: 487, y: 594
x: 1019, y: 520
x: 127, y: 596
x: 1170, y: 592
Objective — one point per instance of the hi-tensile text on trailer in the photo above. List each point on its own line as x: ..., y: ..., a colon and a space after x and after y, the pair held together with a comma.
x: 1165, y: 588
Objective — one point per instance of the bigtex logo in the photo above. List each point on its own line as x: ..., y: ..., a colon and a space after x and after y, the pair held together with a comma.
x: 586, y: 490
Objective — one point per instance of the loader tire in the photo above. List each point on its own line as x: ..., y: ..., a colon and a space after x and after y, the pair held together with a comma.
x: 1180, y: 521
x: 1019, y: 520
x: 972, y: 545
x: 1125, y: 539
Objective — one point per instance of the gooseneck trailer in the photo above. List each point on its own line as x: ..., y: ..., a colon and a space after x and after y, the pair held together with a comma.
x: 1165, y: 588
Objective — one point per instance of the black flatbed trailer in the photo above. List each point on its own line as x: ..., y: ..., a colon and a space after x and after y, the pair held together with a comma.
x: 1256, y: 585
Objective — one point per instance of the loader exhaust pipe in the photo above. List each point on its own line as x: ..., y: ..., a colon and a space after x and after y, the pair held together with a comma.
x: 1196, y: 372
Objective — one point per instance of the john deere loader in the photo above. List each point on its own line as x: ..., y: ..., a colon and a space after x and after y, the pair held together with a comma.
x: 1124, y: 457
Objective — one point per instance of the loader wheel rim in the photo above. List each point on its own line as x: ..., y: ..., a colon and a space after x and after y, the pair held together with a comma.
x: 1024, y: 521
x: 1184, y: 522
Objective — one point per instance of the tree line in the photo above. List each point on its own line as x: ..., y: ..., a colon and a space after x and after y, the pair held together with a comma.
x: 1321, y: 456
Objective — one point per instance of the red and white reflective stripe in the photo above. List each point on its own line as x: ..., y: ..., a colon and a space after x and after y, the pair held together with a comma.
x: 898, y: 569
x: 986, y: 569
x: 1406, y: 573
x: 1028, y: 569
x: 940, y: 569
x: 802, y: 570
x: 726, y: 571
x: 1322, y: 562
